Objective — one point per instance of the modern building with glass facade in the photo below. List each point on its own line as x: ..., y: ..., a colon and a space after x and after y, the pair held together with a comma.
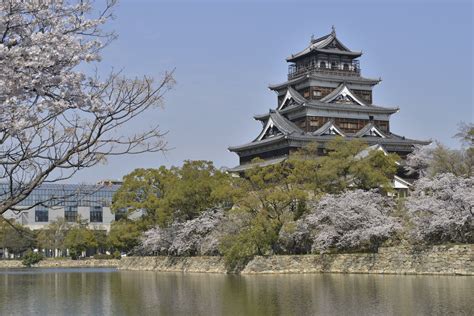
x: 90, y: 203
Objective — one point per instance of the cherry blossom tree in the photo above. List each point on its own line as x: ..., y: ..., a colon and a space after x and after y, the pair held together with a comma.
x: 198, y: 236
x: 419, y: 160
x: 353, y: 220
x: 56, y: 117
x: 441, y: 209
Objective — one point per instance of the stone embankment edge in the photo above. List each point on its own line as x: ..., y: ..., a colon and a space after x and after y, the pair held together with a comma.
x: 64, y: 263
x: 436, y: 260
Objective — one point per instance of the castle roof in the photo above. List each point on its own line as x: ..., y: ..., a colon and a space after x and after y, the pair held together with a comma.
x: 341, y: 99
x: 327, y: 44
x: 325, y: 77
x: 285, y: 130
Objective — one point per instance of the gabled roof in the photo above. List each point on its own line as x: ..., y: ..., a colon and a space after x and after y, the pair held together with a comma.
x: 328, y: 44
x: 345, y: 93
x: 317, y: 105
x: 400, y: 183
x: 328, y: 129
x: 278, y: 121
x: 370, y: 130
x: 291, y: 94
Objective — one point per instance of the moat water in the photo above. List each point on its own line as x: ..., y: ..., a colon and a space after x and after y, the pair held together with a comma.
x: 112, y: 292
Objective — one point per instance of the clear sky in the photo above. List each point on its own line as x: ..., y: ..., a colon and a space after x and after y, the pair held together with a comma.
x: 227, y: 52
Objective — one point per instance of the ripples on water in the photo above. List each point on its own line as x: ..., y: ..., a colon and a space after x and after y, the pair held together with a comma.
x: 109, y: 292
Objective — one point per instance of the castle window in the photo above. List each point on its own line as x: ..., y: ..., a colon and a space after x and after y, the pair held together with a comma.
x: 333, y: 65
x: 313, y: 123
x: 316, y: 93
x: 347, y: 125
x: 322, y: 64
x: 346, y: 67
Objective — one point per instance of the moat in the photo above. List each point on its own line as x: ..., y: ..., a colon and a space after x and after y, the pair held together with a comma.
x: 106, y: 291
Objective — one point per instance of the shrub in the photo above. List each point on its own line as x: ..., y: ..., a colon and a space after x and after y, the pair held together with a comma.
x: 31, y: 258
x: 101, y: 256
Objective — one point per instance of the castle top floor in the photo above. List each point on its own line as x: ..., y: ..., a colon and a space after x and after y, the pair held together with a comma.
x: 324, y: 55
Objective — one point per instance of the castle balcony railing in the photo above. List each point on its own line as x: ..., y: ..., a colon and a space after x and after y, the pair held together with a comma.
x: 341, y: 69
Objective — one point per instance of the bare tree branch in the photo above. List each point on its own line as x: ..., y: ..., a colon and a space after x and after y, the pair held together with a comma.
x: 56, y: 120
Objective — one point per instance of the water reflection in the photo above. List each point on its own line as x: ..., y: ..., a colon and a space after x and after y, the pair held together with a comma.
x: 108, y: 292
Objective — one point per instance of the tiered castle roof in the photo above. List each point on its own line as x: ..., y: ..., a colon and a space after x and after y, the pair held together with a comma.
x: 337, y: 101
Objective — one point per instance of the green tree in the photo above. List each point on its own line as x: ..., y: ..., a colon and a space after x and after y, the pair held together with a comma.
x: 78, y: 239
x: 15, y: 237
x: 348, y: 164
x: 265, y: 199
x: 125, y: 234
x: 53, y: 235
x: 258, y: 238
x: 272, y: 190
x: 176, y: 193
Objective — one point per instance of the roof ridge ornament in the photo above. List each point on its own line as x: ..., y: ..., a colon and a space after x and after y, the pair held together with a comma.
x: 333, y: 30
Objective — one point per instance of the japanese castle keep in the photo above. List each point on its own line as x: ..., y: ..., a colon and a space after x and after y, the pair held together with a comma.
x: 325, y: 95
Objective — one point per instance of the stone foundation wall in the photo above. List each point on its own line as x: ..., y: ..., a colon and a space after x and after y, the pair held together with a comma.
x: 457, y: 259
x: 63, y: 263
x: 451, y: 260
x: 174, y: 264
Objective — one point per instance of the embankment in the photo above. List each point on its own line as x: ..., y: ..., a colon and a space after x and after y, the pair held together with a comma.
x: 63, y: 263
x: 446, y: 259
x: 443, y: 260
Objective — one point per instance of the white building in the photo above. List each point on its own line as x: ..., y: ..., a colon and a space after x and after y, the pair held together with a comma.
x: 49, y: 202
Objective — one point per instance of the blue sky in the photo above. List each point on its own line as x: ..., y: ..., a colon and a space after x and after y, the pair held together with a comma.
x: 227, y: 52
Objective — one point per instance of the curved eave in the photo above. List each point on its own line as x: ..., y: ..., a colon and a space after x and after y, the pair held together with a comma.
x: 332, y: 78
x: 333, y: 106
x: 352, y: 108
x: 391, y: 140
x: 266, y: 141
x: 303, y: 54
x: 368, y: 139
x: 261, y: 117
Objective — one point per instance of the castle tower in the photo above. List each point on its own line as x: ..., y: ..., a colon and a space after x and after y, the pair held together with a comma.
x: 325, y: 95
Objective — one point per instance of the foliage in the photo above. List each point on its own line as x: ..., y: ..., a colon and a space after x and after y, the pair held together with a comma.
x: 270, y: 190
x: 124, y: 234
x: 466, y: 134
x: 53, y: 235
x: 353, y: 220
x: 441, y: 209
x: 15, y: 237
x: 78, y: 239
x: 177, y: 193
x: 437, y: 159
x: 31, y: 258
x: 258, y: 238
x: 352, y: 164
x: 56, y: 118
